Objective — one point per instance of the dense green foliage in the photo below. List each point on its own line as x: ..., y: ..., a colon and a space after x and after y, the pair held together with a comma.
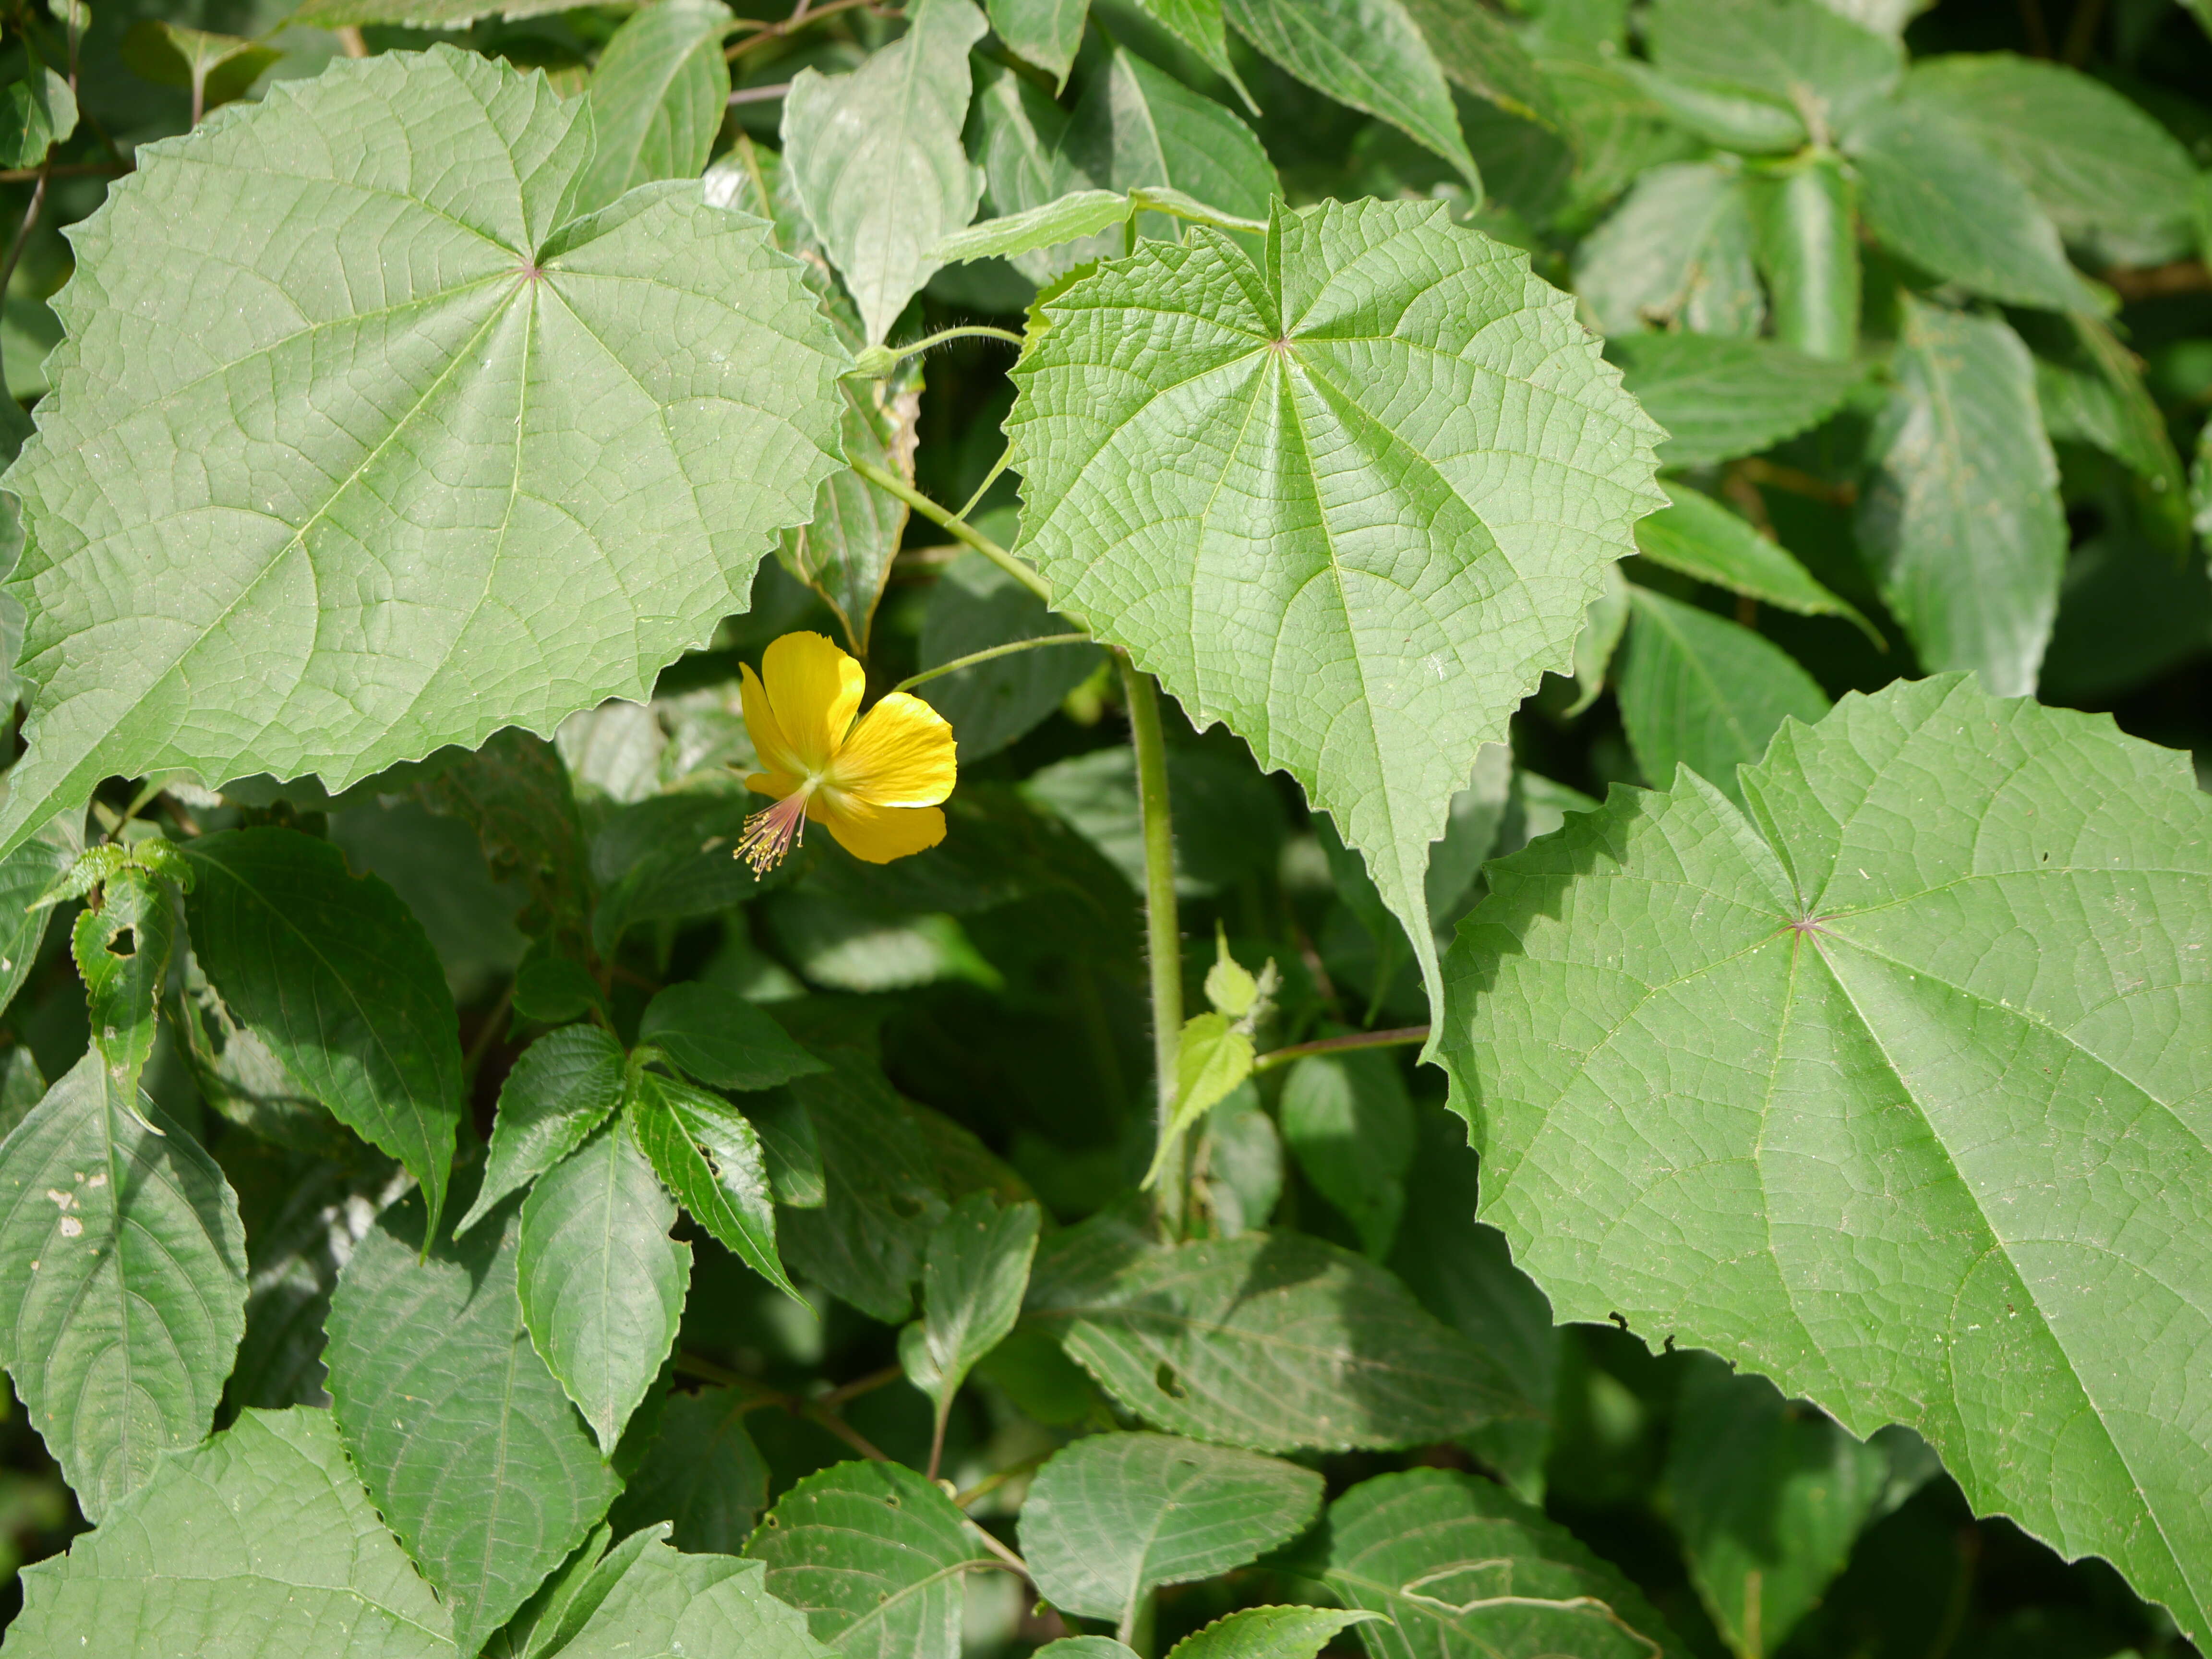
x: 1561, y: 1003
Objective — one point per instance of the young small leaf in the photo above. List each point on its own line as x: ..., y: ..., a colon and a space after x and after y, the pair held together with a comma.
x: 710, y: 1158
x: 972, y: 1282
x: 561, y: 1089
x: 877, y: 160
x: 874, y: 1555
x: 723, y: 1040
x: 336, y: 976
x: 122, y: 1281
x: 467, y: 1444
x: 1211, y: 1059
x: 1701, y: 691
x: 260, y: 1542
x: 1117, y: 1515
x: 602, y: 1284
x: 121, y: 951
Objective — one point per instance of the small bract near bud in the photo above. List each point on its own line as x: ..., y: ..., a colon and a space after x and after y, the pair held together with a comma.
x: 873, y: 362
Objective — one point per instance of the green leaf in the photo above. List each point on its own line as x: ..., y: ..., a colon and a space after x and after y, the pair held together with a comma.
x: 874, y: 1556
x: 1698, y: 536
x: 1229, y: 986
x: 1603, y: 625
x: 552, y: 989
x: 1348, y: 1120
x: 1957, y: 947
x: 793, y: 1153
x: 1799, y: 51
x: 218, y: 67
x: 1198, y: 25
x: 122, y: 1281
x: 1270, y: 1633
x: 667, y: 858
x: 121, y: 954
x: 710, y: 1158
x: 701, y: 1473
x: 1045, y: 32
x: 852, y: 947
x: 1675, y: 253
x: 722, y: 1040
x: 36, y: 114
x: 2089, y: 389
x: 602, y: 1284
x: 1721, y: 112
x: 1768, y: 1497
x: 1115, y: 1516
x: 239, y: 1076
x: 1960, y: 519
x: 2092, y: 160
x: 977, y: 605
x: 1212, y: 1058
x: 563, y: 1087
x: 1478, y: 50
x: 1137, y: 127
x: 1361, y: 581
x: 1701, y: 691
x: 658, y: 95
x: 875, y: 158
x: 1930, y: 191
x: 1721, y: 398
x: 1271, y: 1342
x: 670, y: 1606
x: 336, y: 976
x: 1064, y: 219
x: 1366, y: 53
x: 972, y: 1282
x: 1086, y: 1647
x: 21, y: 1087
x: 1464, y: 1570
x: 516, y: 796
x: 565, y: 1602
x: 467, y: 1444
x: 388, y: 243
x: 261, y: 1541
x: 1227, y: 822
x: 415, y: 13
x: 866, y: 1242
x: 1805, y: 241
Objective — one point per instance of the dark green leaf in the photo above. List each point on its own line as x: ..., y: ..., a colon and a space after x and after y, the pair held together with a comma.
x: 1723, y: 112
x: 722, y: 1040
x: 36, y: 112
x: 701, y: 1474
x: 1464, y: 1570
x: 1701, y: 691
x: 1930, y: 191
x: 977, y: 1267
x: 259, y: 1542
x: 21, y: 1087
x: 1676, y: 253
x: 975, y: 606
x: 1698, y: 536
x: 514, y: 792
x: 561, y: 1089
x: 1806, y: 242
x: 874, y: 1555
x: 472, y: 1453
x: 875, y: 158
x: 1721, y: 398
x: 602, y: 1284
x: 552, y: 989
x: 122, y: 1281
x: 216, y: 67
x: 657, y: 96
x: 336, y: 976
x: 1366, y: 53
x: 1960, y: 518
x: 1275, y: 1342
x: 1347, y: 1120
x: 1270, y: 1633
x: 710, y: 1158
x: 1768, y: 1497
x: 1112, y: 1517
x: 1693, y: 1043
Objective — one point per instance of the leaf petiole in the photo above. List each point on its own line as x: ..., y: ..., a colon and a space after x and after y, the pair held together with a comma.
x: 961, y: 529
x: 974, y: 657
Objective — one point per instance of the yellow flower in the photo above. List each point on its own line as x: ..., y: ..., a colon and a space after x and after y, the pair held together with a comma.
x: 875, y: 784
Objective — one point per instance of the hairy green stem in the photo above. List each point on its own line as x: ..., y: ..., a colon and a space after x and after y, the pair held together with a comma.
x: 1402, y: 1037
x: 966, y: 331
x: 1162, y: 930
x: 974, y: 657
x: 959, y: 527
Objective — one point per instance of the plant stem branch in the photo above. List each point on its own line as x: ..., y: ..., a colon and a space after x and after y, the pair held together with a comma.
x: 767, y: 95
x: 860, y: 1385
x: 799, y: 19
x: 1398, y: 1038
x: 1163, y: 929
x: 974, y: 657
x: 990, y: 1483
x: 960, y: 528
x: 1000, y: 1550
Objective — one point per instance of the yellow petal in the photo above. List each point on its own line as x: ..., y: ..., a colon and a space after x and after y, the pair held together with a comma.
x: 815, y: 689
x: 879, y: 834
x: 769, y: 741
x: 775, y: 785
x: 901, y: 754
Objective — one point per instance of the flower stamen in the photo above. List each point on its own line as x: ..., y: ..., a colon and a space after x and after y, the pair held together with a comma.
x: 772, y: 832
